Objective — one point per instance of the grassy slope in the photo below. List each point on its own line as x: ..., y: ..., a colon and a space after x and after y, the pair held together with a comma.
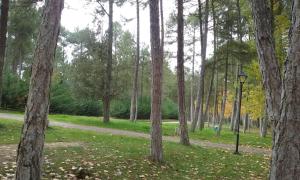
x: 117, y: 157
x: 169, y: 129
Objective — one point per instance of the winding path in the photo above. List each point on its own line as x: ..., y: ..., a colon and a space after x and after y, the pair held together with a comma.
x: 205, y: 144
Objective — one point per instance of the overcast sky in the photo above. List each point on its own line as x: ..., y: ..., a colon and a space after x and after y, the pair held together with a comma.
x: 80, y: 14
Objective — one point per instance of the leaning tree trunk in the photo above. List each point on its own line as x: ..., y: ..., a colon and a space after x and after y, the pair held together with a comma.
x: 30, y: 149
x: 284, y: 112
x: 3, y: 31
x: 108, y: 72
x: 203, y: 34
x: 134, y: 97
x: 156, y: 90
x: 286, y: 147
x: 184, y: 138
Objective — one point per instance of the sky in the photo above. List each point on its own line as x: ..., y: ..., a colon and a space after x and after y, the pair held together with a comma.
x: 79, y: 14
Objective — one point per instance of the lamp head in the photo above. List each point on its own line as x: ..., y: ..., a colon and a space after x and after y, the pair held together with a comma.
x: 242, y: 77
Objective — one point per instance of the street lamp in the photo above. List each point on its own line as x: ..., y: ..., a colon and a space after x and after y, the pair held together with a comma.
x: 242, y: 78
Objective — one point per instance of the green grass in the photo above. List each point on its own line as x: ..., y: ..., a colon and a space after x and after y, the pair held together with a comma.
x: 249, y: 139
x: 116, y: 157
x: 169, y: 129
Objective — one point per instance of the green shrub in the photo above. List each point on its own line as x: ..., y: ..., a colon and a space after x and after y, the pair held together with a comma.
x: 121, y: 108
x: 62, y: 102
x: 15, y: 92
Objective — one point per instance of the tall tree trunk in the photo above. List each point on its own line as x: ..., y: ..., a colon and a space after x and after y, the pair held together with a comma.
x: 134, y: 97
x: 284, y: 112
x: 224, y: 100
x: 215, y: 108
x: 184, y: 138
x: 215, y: 112
x: 156, y: 90
x: 162, y: 28
x: 30, y: 149
x: 192, y: 108
x: 240, y: 37
x: 198, y: 118
x: 269, y: 65
x: 235, y: 101
x: 214, y: 62
x: 108, y: 72
x: 3, y: 31
x: 205, y: 116
x: 286, y: 147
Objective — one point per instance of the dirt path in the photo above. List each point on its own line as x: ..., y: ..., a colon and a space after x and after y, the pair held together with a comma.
x: 205, y: 144
x: 8, y: 152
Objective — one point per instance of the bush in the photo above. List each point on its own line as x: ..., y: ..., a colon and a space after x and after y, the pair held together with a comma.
x: 121, y: 108
x: 14, y: 93
x: 62, y: 102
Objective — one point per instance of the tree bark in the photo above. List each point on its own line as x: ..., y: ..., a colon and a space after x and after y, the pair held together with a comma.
x: 224, y: 100
x: 162, y: 30
x: 108, y: 72
x: 235, y: 102
x: 234, y: 105
x: 263, y: 126
x: 198, y: 118
x: 184, y: 138
x: 215, y: 112
x: 246, y: 123
x: 215, y: 108
x: 30, y: 149
x: 156, y: 150
x: 284, y: 112
x: 3, y: 31
x: 286, y: 147
x: 193, y: 77
x: 134, y: 97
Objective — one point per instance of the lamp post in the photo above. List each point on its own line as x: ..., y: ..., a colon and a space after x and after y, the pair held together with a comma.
x: 242, y: 78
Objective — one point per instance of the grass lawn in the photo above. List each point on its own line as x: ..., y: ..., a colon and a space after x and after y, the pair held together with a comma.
x: 116, y: 157
x: 249, y: 139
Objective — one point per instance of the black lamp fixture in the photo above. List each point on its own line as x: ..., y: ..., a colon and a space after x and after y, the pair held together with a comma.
x: 242, y: 78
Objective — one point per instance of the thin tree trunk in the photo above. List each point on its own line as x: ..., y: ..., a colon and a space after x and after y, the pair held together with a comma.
x: 224, y: 100
x: 30, y: 149
x: 234, y: 105
x: 215, y: 108
x: 108, y: 72
x: 156, y: 150
x: 203, y: 34
x: 263, y: 126
x: 134, y: 97
x: 184, y: 138
x: 215, y: 112
x: 284, y: 112
x: 3, y: 31
x: 193, y: 77
x: 209, y: 93
x: 246, y: 123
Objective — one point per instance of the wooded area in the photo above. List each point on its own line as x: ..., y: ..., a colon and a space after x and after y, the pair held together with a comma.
x: 212, y: 69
